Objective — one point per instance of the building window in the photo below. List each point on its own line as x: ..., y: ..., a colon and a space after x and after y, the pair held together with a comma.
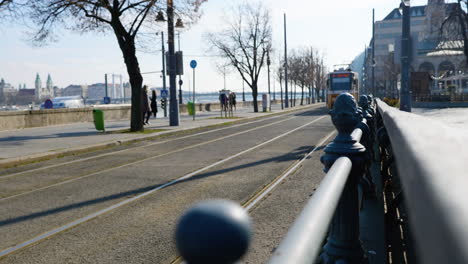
x: 388, y: 35
x: 389, y: 25
x: 417, y: 22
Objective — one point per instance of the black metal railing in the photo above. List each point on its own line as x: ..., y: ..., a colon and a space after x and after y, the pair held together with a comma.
x: 431, y: 163
x: 333, y: 209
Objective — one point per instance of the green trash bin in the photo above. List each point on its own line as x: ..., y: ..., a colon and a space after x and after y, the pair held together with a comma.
x: 99, y: 119
x: 191, y: 108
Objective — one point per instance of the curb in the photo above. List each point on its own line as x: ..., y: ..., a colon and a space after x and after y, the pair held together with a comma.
x: 13, y: 162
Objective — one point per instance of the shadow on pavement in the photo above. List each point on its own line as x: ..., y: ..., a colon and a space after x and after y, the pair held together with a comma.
x: 295, y: 155
x: 314, y: 112
x: 13, y: 140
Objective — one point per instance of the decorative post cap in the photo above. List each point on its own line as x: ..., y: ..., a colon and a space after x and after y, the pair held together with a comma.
x: 344, y: 113
x: 214, y: 231
x: 363, y: 102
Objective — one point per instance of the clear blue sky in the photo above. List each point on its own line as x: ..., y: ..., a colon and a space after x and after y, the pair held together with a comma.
x: 339, y: 28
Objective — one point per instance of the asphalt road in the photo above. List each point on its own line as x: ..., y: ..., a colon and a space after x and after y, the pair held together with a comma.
x: 57, y: 199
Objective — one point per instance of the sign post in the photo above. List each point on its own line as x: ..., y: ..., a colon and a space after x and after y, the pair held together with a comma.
x: 164, y: 95
x: 193, y: 65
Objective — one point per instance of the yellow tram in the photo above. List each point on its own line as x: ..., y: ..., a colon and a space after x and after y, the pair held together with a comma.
x: 341, y: 81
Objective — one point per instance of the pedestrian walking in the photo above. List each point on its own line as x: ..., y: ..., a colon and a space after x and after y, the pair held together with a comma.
x: 234, y: 100
x: 154, y: 103
x: 145, y: 110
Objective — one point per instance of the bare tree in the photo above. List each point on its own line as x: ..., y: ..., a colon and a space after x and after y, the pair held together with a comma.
x: 320, y: 75
x: 279, y: 77
x: 310, y: 72
x: 124, y: 18
x: 4, y: 3
x: 454, y: 28
x: 223, y: 68
x: 391, y: 72
x: 298, y: 70
x: 245, y: 42
x: 10, y: 8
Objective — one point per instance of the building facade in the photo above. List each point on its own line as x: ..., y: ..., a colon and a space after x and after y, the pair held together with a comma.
x: 75, y: 90
x: 429, y: 53
x: 41, y: 92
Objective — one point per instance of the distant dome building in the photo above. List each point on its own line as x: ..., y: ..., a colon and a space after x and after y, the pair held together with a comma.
x: 38, y: 86
x: 2, y: 86
x: 44, y: 92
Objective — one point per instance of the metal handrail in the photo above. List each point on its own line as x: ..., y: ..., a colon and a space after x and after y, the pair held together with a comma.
x: 432, y: 167
x: 303, y: 242
x: 333, y: 208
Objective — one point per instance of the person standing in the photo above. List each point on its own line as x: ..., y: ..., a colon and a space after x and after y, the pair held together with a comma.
x: 234, y: 100
x: 154, y: 103
x: 145, y: 110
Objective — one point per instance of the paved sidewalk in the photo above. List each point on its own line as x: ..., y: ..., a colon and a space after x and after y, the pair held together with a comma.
x: 47, y: 142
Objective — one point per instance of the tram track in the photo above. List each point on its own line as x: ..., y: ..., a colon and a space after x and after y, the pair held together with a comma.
x: 79, y: 221
x: 135, y: 148
x: 257, y: 197
x: 143, y: 160
x: 51, y: 179
x: 6, y: 176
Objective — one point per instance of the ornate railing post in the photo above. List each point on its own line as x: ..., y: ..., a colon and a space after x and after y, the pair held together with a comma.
x: 343, y: 244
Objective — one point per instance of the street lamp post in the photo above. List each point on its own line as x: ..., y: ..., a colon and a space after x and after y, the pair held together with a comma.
x: 173, y: 104
x: 268, y: 66
x: 180, y: 77
x: 286, y: 104
x: 373, y: 54
x: 405, y: 96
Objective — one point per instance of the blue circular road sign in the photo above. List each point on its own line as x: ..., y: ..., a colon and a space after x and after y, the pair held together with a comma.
x: 193, y: 64
x: 48, y: 104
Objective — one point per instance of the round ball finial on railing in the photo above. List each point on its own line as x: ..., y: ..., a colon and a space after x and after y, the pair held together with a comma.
x: 363, y: 102
x: 344, y: 113
x: 214, y: 231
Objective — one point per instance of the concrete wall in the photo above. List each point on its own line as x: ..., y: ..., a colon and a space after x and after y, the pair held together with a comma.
x: 11, y: 120
x: 439, y: 104
x: 48, y: 117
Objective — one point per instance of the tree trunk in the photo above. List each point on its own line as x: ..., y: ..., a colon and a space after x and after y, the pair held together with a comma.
x: 127, y: 46
x: 302, y: 95
x: 281, y: 93
x: 254, y: 95
x: 291, y: 94
x: 295, y: 93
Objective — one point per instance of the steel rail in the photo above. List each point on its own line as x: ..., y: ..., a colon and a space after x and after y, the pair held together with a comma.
x: 260, y: 195
x: 432, y: 166
x: 79, y: 221
x: 304, y: 239
x: 2, y: 177
x: 145, y: 159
